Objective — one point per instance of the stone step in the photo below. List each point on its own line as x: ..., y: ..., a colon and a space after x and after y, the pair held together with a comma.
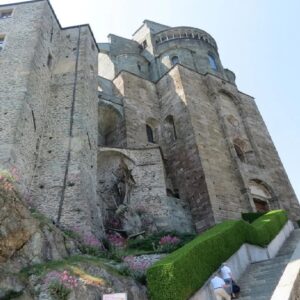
x: 260, y: 279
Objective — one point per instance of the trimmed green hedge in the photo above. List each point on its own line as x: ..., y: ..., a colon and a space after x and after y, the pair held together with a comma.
x: 264, y: 229
x: 252, y: 216
x: 182, y: 273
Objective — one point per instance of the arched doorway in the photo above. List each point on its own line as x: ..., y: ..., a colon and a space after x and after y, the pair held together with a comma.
x: 261, y: 195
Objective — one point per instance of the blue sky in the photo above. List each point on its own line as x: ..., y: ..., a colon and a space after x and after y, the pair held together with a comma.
x: 258, y: 40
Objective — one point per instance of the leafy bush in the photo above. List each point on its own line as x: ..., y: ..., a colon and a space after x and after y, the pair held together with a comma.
x: 184, y: 271
x: 252, y: 216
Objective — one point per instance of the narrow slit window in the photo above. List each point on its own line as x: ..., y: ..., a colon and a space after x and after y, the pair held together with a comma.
x: 49, y: 61
x: 150, y: 135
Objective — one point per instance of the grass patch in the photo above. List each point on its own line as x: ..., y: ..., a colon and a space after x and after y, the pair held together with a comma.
x: 41, y: 269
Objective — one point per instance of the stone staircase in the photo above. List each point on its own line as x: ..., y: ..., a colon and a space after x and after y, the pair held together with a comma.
x: 260, y: 279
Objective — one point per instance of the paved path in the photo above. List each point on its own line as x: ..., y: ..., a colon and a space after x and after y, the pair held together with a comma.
x: 260, y: 279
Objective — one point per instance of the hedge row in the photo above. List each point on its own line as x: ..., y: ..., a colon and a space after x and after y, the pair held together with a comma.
x: 183, y: 272
x: 252, y: 216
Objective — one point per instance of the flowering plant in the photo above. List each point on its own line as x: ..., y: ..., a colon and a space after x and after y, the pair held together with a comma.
x: 137, y: 268
x: 60, y: 284
x: 7, y: 180
x: 116, y: 240
x: 168, y: 243
x: 87, y: 242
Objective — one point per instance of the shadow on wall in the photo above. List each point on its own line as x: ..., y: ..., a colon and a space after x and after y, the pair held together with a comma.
x: 111, y: 125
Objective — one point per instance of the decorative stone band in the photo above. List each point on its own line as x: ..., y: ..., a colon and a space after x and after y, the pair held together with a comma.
x: 184, y: 33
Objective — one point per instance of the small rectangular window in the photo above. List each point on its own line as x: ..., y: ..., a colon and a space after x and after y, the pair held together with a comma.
x: 2, y: 39
x: 4, y: 14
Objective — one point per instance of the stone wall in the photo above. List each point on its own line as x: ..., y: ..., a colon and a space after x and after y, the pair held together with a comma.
x: 54, y: 141
x: 140, y: 108
x: 181, y: 155
x: 148, y: 199
x: 23, y: 95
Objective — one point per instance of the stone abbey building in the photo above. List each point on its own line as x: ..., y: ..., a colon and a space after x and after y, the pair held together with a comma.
x: 150, y: 133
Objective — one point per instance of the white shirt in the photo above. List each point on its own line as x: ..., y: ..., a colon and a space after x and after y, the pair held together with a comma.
x: 226, y: 272
x: 217, y: 282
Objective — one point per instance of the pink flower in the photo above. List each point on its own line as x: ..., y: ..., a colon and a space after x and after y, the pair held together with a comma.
x: 169, y: 240
x: 116, y: 240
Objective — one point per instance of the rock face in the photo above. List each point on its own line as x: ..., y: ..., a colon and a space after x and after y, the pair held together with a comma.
x: 24, y: 240
x: 92, y: 281
x: 27, y: 239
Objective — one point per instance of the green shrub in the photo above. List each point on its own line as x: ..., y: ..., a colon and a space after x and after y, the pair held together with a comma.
x: 59, y: 291
x: 184, y: 271
x: 252, y: 216
x: 265, y: 228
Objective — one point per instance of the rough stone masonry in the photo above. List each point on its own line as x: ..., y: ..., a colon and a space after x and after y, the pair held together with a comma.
x: 149, y: 134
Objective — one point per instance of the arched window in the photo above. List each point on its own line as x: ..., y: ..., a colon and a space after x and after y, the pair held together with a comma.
x: 174, y: 60
x: 212, y: 62
x: 150, y: 135
x: 240, y: 153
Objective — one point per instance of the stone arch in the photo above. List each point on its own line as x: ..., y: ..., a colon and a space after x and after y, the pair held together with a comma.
x: 111, y: 185
x: 232, y: 96
x: 262, y: 195
x: 110, y: 125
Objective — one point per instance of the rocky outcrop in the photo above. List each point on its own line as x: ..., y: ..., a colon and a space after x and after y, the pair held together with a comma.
x: 25, y: 239
x: 29, y: 243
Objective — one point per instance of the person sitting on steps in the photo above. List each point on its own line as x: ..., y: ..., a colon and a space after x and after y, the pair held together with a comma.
x: 228, y: 278
x: 219, y: 287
